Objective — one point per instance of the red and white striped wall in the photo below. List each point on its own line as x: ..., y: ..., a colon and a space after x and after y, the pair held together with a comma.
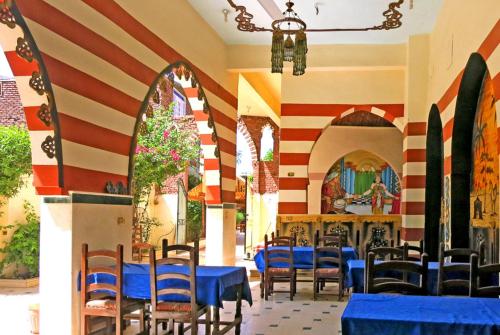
x: 301, y: 126
x: 45, y: 169
x: 490, y: 51
x: 101, y: 61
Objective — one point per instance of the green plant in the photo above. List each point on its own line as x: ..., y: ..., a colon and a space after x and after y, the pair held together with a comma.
x: 23, y: 250
x: 240, y: 216
x: 194, y: 216
x: 269, y: 156
x: 15, y: 162
x: 164, y: 148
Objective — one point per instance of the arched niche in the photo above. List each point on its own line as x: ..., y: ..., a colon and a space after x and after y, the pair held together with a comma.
x: 433, y: 182
x: 336, y: 142
x: 461, y: 149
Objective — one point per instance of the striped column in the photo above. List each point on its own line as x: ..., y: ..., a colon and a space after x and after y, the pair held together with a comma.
x: 413, y: 185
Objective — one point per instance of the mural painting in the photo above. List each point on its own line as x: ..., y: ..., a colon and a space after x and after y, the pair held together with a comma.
x: 484, y: 178
x: 361, y: 183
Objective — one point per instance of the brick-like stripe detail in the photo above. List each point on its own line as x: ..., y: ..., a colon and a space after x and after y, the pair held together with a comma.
x: 294, y: 183
x: 292, y: 207
x: 413, y: 182
x: 76, y: 178
x: 291, y: 134
x: 415, y: 129
x: 294, y: 159
x: 413, y: 207
x: 414, y: 155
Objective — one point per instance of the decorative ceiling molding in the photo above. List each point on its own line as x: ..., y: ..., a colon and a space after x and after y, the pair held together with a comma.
x: 392, y: 20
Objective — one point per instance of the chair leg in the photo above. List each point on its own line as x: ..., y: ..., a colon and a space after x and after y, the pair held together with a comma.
x: 83, y: 325
x: 109, y: 326
x: 119, y: 325
x: 194, y: 326
x: 266, y: 289
x: 262, y: 285
x: 180, y: 328
x: 315, y: 284
x: 208, y: 321
x: 154, y: 325
x: 291, y: 287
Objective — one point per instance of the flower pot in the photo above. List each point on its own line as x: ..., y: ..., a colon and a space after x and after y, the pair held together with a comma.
x: 35, y: 318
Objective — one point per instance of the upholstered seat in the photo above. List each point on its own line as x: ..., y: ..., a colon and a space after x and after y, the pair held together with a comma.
x: 278, y: 270
x: 101, y: 304
x: 327, y: 271
x: 174, y: 307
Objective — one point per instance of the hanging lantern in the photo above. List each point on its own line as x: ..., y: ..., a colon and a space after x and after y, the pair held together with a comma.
x: 289, y: 49
x: 277, y: 52
x: 299, y: 55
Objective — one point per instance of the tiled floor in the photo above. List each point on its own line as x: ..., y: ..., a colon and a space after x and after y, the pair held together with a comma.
x: 281, y: 316
x: 278, y: 315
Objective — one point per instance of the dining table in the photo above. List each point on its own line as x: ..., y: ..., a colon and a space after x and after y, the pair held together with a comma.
x: 214, y: 285
x: 302, y: 257
x: 384, y: 314
x: 354, y: 276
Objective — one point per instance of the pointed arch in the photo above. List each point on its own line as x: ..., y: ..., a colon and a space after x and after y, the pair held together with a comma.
x: 434, y: 171
x: 205, y: 124
x: 37, y: 99
x: 461, y: 149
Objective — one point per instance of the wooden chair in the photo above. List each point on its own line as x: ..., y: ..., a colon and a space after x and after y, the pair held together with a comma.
x: 164, y: 250
x: 414, y: 252
x: 390, y: 253
x: 374, y: 284
x: 274, y: 274
x: 342, y: 236
x: 481, y: 277
x: 182, y: 310
x: 327, y: 263
x: 139, y: 248
x: 334, y: 240
x: 105, y: 299
x: 454, y: 286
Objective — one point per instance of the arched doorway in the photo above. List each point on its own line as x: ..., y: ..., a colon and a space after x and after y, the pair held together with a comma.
x: 433, y: 182
x: 462, y: 160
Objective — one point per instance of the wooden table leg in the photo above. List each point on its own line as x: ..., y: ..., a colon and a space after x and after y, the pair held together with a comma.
x: 238, y: 315
x: 216, y: 318
x: 262, y: 285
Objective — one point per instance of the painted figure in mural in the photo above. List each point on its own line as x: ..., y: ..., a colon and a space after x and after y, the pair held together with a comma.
x: 330, y: 191
x: 478, y: 211
x: 396, y: 203
x: 378, y: 191
x: 339, y: 207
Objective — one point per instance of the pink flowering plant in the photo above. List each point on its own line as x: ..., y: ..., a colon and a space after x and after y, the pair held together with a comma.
x: 165, y: 147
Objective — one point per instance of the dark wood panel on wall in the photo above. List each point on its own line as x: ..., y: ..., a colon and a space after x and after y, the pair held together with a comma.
x: 433, y: 182
x: 461, y: 149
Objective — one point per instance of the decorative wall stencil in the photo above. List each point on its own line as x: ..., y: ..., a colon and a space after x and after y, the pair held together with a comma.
x: 6, y: 16
x: 23, y: 49
x: 44, y: 114
x: 360, y: 183
x: 484, y: 175
x: 36, y: 83
x: 49, y: 146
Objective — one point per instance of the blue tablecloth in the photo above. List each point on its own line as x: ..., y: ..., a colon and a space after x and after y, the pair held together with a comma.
x: 355, y: 276
x: 420, y: 315
x: 213, y: 283
x: 303, y: 257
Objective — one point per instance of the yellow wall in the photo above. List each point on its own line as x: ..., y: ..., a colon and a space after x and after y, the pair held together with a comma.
x: 261, y: 217
x: 349, y: 87
x: 460, y: 29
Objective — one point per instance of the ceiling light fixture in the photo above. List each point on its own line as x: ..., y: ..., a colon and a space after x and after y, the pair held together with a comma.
x: 289, y: 42
x: 289, y: 49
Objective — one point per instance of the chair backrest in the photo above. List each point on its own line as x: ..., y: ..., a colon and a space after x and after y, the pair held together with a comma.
x: 342, y: 235
x: 277, y: 240
x: 325, y: 254
x: 375, y: 284
x: 112, y: 273
x: 282, y: 255
x: 414, y: 252
x: 390, y: 253
x: 454, y: 278
x: 484, y: 279
x: 334, y: 240
x: 177, y: 283
x: 164, y: 250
